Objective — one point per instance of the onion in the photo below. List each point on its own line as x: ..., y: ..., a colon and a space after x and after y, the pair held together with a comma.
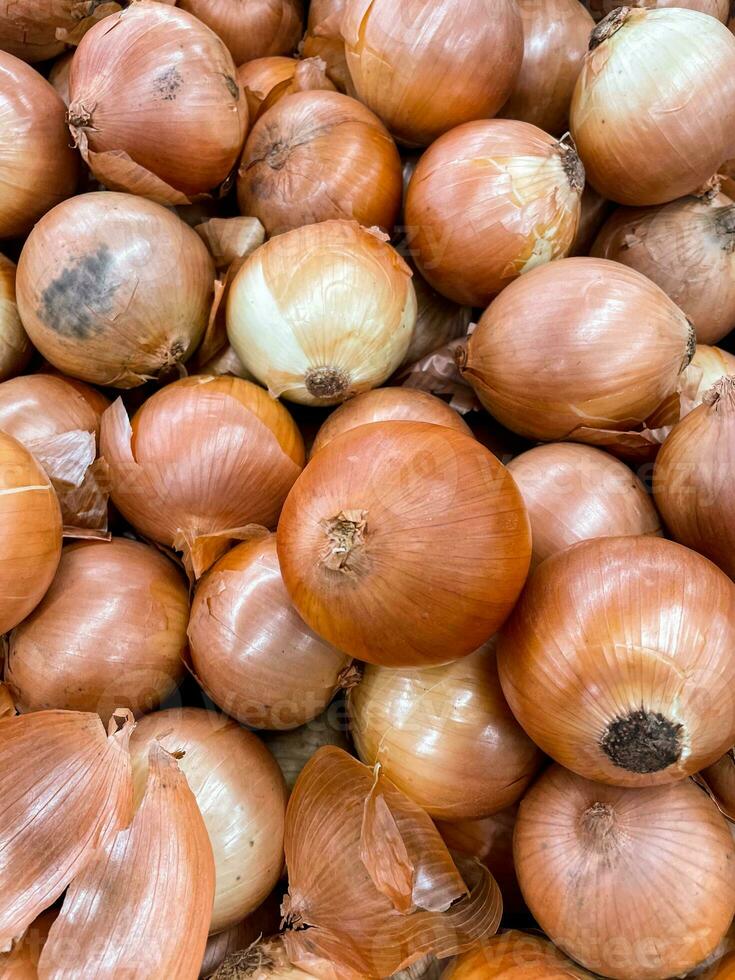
x: 716, y: 8
x: 688, y: 249
x: 368, y: 544
x: 264, y: 921
x: 577, y: 349
x: 323, y: 39
x: 556, y: 35
x: 114, y: 289
x: 22, y: 962
x: 267, y: 80
x: 595, y: 210
x: 203, y: 460
x: 444, y: 736
x: 59, y: 75
x: 155, y: 106
x: 251, y: 29
x: 573, y: 493
x: 653, y: 113
x: 709, y: 364
x: 322, y: 312
x: 15, y: 347
x: 265, y: 960
x: 438, y: 321
x: 240, y: 793
x: 618, y: 660
x: 293, y: 749
x: 36, y: 30
x: 318, y: 156
x: 514, y: 955
x: 719, y: 780
x: 489, y: 201
x: 632, y: 884
x: 425, y: 68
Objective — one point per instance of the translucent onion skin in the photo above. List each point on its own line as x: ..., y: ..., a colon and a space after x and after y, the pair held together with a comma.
x: 662, y: 912
x: 514, y: 956
x: 267, y: 80
x: 636, y: 687
x: 15, y: 347
x: 488, y: 202
x: 715, y: 8
x: 577, y: 347
x: 708, y: 365
x: 318, y: 156
x: 653, y: 112
x: 424, y: 69
x: 323, y: 39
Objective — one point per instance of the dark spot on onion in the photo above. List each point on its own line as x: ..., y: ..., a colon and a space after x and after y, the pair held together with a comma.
x: 642, y: 741
x: 73, y: 303
x: 167, y: 83
x: 233, y: 87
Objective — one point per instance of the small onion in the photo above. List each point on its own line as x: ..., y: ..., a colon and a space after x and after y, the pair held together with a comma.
x: 438, y: 321
x: 708, y: 365
x: 316, y: 156
x: 322, y: 312
x: 251, y: 29
x: 715, y: 8
x: 634, y: 884
x: 15, y: 347
x: 653, y: 113
x: 293, y: 749
x: 323, y: 39
x: 515, y: 956
x: 489, y: 201
x: 36, y: 30
x: 618, y: 660
x: 59, y: 75
x: 267, y: 80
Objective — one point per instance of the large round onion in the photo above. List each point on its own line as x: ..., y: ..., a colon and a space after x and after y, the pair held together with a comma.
x: 323, y: 39
x: 15, y: 347
x: 515, y: 956
x: 110, y: 632
x: 708, y: 365
x: 114, y: 289
x: 618, y: 660
x: 576, y: 348
x: 155, y: 105
x: 240, y: 792
x: 252, y: 29
x: 322, y: 312
x: 653, y: 113
x: 404, y: 543
x: 317, y: 156
x: 489, y: 201
x: 634, y: 884
x: 715, y: 8
x: 266, y: 81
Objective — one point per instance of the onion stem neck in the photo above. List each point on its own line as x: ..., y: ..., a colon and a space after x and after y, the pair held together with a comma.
x: 642, y: 741
x: 721, y: 396
x: 573, y: 167
x: 608, y: 26
x: 345, y: 535
x: 598, y: 823
x: 327, y: 382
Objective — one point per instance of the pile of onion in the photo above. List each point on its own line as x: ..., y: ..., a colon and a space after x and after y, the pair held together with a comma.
x: 489, y: 201
x: 37, y: 31
x: 515, y: 956
x: 15, y: 347
x: 323, y: 39
x: 266, y: 81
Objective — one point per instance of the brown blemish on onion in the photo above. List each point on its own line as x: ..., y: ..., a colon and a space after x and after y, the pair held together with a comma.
x: 642, y: 741
x: 327, y: 382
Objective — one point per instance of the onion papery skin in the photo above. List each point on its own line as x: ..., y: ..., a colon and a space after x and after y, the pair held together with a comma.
x: 573, y: 493
x: 438, y: 321
x: 426, y: 69
x: 155, y: 105
x: 110, y: 632
x: 123, y: 298
x: 241, y: 795
x: 323, y: 39
x: 647, y: 114
x: 251, y: 651
x: 444, y: 736
x: 715, y: 8
x: 202, y: 461
x: 266, y: 81
x: 578, y: 347
x: 263, y: 959
x: 251, y: 30
x: 38, y: 168
x: 708, y: 365
x: 21, y: 963
x: 488, y: 202
x: 15, y: 347
x: 719, y: 779
x: 322, y: 312
x: 556, y: 36
x: 293, y: 749
x: 577, y: 841
x: 635, y: 689
x: 368, y: 544
x: 514, y: 956
x: 318, y: 156
x: 687, y: 248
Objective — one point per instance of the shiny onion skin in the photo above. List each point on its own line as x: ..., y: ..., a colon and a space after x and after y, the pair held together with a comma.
x: 514, y: 956
x: 404, y: 544
x: 267, y: 80
x: 323, y: 39
x: 250, y: 650
x: 618, y: 660
x: 253, y: 29
x: 578, y: 347
x: 293, y: 749
x: 110, y: 632
x: 635, y: 885
x: 38, y: 168
x: 653, y: 112
x: 687, y: 248
x: 202, y: 460
x: 444, y: 736
x: 556, y: 35
x: 426, y: 68
x: 322, y: 312
x: 317, y: 156
x: 708, y: 365
x: 15, y: 347
x: 715, y: 8
x: 155, y: 105
x: 114, y: 289
x: 488, y: 202
x: 241, y: 795
x: 573, y: 493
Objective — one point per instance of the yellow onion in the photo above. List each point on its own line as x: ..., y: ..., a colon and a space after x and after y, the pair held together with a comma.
x: 634, y: 884
x: 21, y: 963
x: 489, y: 201
x: 555, y: 39
x: 266, y: 960
x: 322, y: 312
x: 514, y: 956
x: 425, y: 68
x: 203, y: 460
x: 293, y: 749
x: 114, y: 289
x: 708, y: 365
x: 323, y: 39
x: 653, y: 112
x: 36, y: 30
x: 719, y: 780
x: 316, y: 156
x: 264, y: 921
x: 252, y: 29
x: 715, y: 8
x: 687, y: 248
x: 267, y: 80
x: 438, y: 321
x: 617, y: 660
x: 59, y: 75
x: 444, y: 736
x: 369, y: 544
x: 577, y: 349
x: 110, y: 632
x: 595, y: 210
x: 573, y: 493
x: 15, y: 347
x: 155, y: 107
